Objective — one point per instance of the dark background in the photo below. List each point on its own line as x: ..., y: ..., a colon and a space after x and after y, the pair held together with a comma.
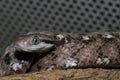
x: 77, y: 16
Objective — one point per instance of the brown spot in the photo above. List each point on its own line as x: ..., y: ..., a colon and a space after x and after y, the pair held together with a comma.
x: 54, y: 57
x: 38, y: 66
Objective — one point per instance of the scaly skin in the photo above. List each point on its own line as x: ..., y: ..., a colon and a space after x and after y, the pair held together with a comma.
x: 95, y: 50
x: 62, y: 51
x: 21, y: 54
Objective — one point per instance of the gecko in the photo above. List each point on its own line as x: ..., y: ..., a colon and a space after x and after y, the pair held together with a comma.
x: 26, y: 49
x: 61, y: 51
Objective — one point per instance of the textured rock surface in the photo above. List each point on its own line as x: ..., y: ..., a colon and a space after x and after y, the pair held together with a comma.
x: 71, y: 74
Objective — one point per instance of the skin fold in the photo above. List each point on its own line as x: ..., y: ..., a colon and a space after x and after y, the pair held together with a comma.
x: 37, y: 51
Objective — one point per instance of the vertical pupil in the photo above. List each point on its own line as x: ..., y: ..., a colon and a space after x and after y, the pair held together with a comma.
x: 35, y: 40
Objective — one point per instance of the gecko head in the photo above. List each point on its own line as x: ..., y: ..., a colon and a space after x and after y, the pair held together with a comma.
x: 27, y: 46
x: 34, y: 43
x: 24, y: 51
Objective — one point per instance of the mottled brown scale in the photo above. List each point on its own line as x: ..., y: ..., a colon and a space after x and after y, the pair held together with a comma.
x: 101, y: 47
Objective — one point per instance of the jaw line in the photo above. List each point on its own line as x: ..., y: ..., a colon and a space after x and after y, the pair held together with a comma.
x: 38, y: 48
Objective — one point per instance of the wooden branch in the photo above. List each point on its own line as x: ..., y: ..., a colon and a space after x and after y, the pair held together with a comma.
x: 70, y: 74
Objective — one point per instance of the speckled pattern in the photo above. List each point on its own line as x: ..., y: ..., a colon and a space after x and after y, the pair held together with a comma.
x: 20, y: 54
x: 98, y: 50
x: 93, y: 50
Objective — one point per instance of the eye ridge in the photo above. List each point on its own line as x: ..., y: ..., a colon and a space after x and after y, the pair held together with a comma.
x: 35, y: 40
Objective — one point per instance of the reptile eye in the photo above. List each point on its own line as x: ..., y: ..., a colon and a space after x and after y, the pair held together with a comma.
x: 35, y: 40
